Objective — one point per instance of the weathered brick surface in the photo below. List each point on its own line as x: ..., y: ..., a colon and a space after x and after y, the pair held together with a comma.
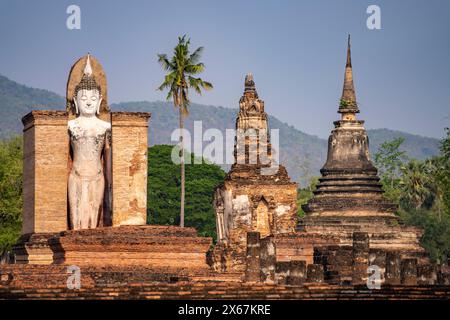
x: 393, y: 265
x: 299, y: 245
x: 152, y: 246
x: 282, y: 270
x: 427, y: 274
x: 315, y: 273
x: 337, y: 262
x: 268, y: 259
x: 360, y: 256
x: 33, y: 248
x: 253, y: 266
x: 155, y: 246
x: 297, y: 273
x: 409, y: 272
x: 46, y: 147
x: 50, y: 282
x: 129, y: 167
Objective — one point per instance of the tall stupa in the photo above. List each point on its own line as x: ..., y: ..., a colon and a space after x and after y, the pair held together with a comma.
x: 349, y: 197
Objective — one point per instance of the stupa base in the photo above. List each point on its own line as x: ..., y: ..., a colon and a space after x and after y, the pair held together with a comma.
x: 150, y: 246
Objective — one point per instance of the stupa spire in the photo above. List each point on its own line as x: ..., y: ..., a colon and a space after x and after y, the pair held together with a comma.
x: 348, y: 103
x: 249, y: 83
x: 88, y: 69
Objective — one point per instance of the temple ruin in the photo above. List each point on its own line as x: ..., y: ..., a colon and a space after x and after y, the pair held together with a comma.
x: 349, y: 245
x: 349, y: 197
x: 252, y: 199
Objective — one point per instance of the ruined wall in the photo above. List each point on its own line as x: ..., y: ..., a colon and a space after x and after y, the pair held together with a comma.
x: 129, y: 167
x: 46, y: 148
x: 269, y: 209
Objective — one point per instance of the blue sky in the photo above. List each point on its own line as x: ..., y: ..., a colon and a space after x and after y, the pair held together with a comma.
x: 295, y: 49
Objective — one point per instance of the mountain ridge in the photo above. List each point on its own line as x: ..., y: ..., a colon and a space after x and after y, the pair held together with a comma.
x: 302, y: 154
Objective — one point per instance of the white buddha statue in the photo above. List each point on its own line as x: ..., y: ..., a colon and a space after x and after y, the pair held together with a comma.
x: 90, y: 141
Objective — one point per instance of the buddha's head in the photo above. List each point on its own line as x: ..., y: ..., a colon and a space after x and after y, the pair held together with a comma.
x: 87, y: 96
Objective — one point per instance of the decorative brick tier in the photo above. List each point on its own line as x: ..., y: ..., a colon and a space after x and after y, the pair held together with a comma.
x: 385, y: 233
x: 155, y: 246
x: 151, y: 246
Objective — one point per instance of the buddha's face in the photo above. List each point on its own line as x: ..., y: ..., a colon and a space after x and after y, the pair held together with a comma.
x: 87, y: 102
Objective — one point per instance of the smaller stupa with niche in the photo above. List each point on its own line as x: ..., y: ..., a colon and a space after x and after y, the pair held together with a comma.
x: 257, y: 194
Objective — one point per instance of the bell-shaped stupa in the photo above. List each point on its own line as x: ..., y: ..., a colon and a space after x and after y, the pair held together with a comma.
x: 349, y: 197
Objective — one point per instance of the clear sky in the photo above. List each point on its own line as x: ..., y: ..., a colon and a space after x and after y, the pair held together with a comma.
x: 295, y: 49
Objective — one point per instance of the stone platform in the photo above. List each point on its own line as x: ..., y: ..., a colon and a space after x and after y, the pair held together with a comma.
x: 103, y: 283
x: 386, y: 233
x: 148, y: 246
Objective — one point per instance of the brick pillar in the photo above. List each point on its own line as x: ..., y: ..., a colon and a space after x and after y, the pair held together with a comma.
x: 267, y: 260
x: 297, y: 272
x: 360, y: 258
x: 282, y: 271
x: 253, y: 267
x: 392, y: 268
x: 443, y: 275
x: 129, y: 167
x: 427, y: 274
x: 314, y: 273
x: 409, y: 272
x: 45, y: 160
x: 378, y: 258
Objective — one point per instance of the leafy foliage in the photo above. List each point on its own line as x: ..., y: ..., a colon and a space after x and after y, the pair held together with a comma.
x: 181, y: 69
x: 388, y: 160
x: 422, y: 189
x: 10, y: 191
x: 164, y: 191
x: 305, y: 194
x: 436, y: 237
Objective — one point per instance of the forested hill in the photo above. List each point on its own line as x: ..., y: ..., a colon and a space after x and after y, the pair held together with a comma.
x: 301, y: 153
x: 16, y: 100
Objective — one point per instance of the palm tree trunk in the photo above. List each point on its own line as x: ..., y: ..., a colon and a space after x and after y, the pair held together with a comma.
x: 182, y: 168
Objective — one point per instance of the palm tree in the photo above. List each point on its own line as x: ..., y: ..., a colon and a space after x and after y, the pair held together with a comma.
x: 415, y: 183
x: 181, y: 69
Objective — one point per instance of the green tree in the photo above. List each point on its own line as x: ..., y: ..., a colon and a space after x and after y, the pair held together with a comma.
x: 164, y: 191
x: 389, y: 160
x: 181, y: 69
x: 415, y: 184
x: 422, y: 189
x: 442, y: 173
x: 305, y: 194
x: 445, y: 144
x: 10, y: 191
x: 436, y: 233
